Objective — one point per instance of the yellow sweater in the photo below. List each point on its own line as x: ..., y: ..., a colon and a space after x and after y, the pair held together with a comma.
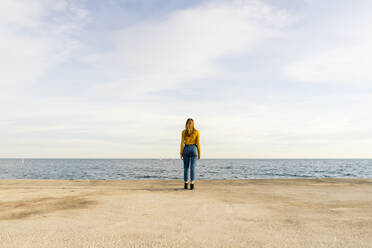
x: 189, y: 140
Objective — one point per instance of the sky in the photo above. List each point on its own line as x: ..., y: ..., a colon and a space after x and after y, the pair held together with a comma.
x: 119, y: 78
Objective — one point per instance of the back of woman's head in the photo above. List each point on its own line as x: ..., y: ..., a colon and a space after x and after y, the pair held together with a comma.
x: 189, y: 127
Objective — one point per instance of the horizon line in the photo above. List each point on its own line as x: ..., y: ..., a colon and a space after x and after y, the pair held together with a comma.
x: 176, y: 158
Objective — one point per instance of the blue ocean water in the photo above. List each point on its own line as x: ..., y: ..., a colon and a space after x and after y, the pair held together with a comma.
x: 125, y: 169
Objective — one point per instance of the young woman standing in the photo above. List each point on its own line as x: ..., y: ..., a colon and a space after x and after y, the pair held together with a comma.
x: 190, y: 151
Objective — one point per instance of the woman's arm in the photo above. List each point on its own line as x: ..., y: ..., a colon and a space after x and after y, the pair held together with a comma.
x: 198, y: 144
x: 182, y: 142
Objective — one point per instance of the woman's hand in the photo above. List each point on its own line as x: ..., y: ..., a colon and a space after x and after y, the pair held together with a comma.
x: 181, y: 157
x: 198, y: 157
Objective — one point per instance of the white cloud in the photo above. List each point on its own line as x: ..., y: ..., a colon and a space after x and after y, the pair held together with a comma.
x: 344, y: 64
x: 186, y: 45
x: 33, y: 39
x: 342, y: 53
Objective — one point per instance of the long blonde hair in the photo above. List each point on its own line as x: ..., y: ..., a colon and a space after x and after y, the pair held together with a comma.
x: 189, y: 127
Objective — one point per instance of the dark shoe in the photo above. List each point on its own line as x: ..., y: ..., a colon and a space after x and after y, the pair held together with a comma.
x: 192, y: 186
x: 185, y: 187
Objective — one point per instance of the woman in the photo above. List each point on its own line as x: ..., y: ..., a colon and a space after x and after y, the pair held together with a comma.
x: 190, y: 150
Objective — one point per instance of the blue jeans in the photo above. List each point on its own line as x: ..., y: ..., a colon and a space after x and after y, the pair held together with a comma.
x: 190, y: 155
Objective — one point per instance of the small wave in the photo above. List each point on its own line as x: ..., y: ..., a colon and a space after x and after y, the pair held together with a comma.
x: 147, y: 177
x: 348, y: 175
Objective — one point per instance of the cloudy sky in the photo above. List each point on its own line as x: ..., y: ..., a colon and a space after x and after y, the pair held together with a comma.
x: 119, y: 78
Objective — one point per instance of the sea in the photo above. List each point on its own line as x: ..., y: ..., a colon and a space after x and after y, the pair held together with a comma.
x: 170, y: 169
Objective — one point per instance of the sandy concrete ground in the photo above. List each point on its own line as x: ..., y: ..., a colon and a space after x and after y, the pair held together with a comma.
x: 219, y: 213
